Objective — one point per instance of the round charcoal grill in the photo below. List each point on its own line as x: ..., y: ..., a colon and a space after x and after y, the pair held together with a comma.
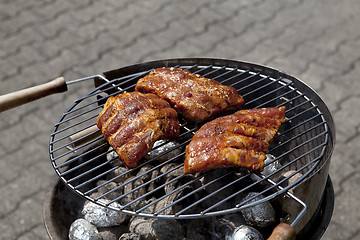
x: 302, y: 146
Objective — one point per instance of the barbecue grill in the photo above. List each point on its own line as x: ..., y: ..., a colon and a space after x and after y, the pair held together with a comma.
x: 302, y: 147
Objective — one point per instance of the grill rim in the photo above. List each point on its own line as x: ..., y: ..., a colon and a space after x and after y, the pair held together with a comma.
x: 246, y: 66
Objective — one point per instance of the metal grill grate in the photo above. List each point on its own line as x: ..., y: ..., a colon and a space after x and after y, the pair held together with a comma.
x: 297, y: 149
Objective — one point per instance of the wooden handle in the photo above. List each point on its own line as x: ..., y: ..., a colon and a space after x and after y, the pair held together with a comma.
x: 21, y: 97
x: 283, y: 231
x: 84, y: 136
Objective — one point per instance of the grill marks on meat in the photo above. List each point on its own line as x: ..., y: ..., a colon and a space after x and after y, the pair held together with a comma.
x: 197, y: 98
x: 240, y: 139
x: 132, y: 122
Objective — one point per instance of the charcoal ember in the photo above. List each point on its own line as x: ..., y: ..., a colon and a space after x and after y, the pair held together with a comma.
x: 119, y: 175
x: 109, y: 190
x: 196, y: 236
x: 112, y: 233
x: 156, y: 228
x: 180, y: 180
x: 227, y: 224
x: 134, y: 190
x: 178, y: 189
x: 172, y: 170
x: 148, y: 173
x: 144, y: 173
x: 235, y: 219
x: 129, y: 236
x: 81, y: 229
x: 196, y: 229
x: 260, y: 215
x: 101, y: 216
x: 215, y: 180
x: 154, y: 176
x: 245, y: 232
x: 160, y: 148
x: 224, y: 228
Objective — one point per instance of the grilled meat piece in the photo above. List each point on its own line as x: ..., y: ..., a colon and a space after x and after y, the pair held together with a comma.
x: 132, y: 122
x: 197, y: 98
x: 240, y: 139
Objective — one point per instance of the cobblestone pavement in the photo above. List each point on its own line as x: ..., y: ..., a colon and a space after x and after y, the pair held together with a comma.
x: 317, y: 41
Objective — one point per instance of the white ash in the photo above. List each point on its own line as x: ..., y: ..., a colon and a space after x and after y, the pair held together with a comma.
x: 119, y: 175
x: 270, y: 169
x: 81, y: 229
x: 224, y: 228
x: 272, y: 165
x: 160, y: 147
x: 153, y: 184
x: 129, y: 236
x: 260, y: 215
x: 144, y: 173
x: 101, y: 216
x: 156, y: 228
x: 112, y: 155
x: 172, y: 170
x: 245, y: 232
x: 226, y: 225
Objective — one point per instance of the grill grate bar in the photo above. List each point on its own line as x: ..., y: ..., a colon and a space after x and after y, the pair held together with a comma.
x: 152, y: 160
x: 302, y: 123
x: 75, y: 149
x: 189, y: 194
x: 94, y: 93
x: 236, y: 76
x: 243, y: 80
x: 315, y: 161
x: 265, y: 103
x: 263, y: 79
x: 300, y: 145
x: 213, y: 193
x: 289, y: 101
x: 242, y: 204
x: 75, y: 116
x: 141, y: 165
x: 295, y: 137
x: 132, y: 180
x: 88, y: 172
x: 267, y: 94
x: 72, y: 160
x: 70, y: 170
x: 137, y: 177
x: 156, y: 189
x: 72, y: 133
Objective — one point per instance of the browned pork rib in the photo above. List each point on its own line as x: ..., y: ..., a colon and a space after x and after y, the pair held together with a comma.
x: 195, y: 97
x: 132, y: 122
x: 240, y: 139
